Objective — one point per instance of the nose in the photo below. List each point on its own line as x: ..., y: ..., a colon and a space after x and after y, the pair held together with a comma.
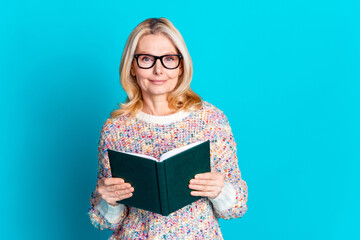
x: 158, y: 67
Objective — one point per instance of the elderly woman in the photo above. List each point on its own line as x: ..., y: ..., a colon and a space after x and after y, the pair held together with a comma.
x: 162, y: 113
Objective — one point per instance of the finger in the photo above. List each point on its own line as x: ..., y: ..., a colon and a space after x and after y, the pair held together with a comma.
x: 124, y: 192
x: 125, y: 196
x: 207, y: 175
x: 205, y: 182
x: 203, y: 188
x: 204, y: 194
x: 118, y: 193
x: 113, y: 181
x: 113, y: 188
x: 113, y: 197
x: 123, y: 186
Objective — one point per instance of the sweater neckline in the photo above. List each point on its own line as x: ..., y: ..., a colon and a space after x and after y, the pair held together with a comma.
x: 162, y: 119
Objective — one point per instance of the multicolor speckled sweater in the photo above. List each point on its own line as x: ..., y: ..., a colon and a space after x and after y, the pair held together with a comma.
x: 155, y: 135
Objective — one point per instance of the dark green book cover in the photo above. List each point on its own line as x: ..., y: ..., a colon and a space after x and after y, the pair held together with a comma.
x: 161, y: 187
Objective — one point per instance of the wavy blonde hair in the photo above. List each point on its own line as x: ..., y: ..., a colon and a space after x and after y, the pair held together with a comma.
x: 182, y: 97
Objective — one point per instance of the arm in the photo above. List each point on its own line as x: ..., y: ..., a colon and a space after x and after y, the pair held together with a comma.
x: 231, y: 203
x: 101, y: 214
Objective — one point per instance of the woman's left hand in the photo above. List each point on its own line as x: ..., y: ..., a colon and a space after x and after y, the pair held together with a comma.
x: 207, y: 184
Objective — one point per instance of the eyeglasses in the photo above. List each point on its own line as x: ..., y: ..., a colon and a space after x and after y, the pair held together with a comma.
x: 146, y: 61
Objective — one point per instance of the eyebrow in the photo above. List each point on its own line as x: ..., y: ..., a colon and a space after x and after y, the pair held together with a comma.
x: 143, y: 52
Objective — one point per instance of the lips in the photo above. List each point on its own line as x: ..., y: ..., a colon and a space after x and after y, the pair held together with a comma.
x: 158, y: 82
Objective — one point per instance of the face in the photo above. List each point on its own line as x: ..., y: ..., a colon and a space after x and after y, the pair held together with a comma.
x: 157, y: 81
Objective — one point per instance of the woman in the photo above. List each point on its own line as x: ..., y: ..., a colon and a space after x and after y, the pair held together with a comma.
x: 162, y: 113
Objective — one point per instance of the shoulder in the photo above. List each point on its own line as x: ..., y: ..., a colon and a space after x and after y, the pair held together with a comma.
x: 213, y: 113
x: 112, y: 123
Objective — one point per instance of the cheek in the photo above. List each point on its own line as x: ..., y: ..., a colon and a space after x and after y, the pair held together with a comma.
x: 141, y: 82
x: 142, y: 73
x: 174, y: 74
x: 141, y: 77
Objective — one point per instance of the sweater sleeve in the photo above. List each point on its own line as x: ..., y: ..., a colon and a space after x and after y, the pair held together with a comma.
x: 226, y: 198
x: 99, y: 210
x: 224, y: 160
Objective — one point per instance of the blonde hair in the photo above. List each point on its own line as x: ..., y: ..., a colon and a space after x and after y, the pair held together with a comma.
x: 182, y: 97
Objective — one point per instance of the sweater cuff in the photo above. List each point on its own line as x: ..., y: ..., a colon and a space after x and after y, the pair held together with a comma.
x: 226, y: 198
x: 110, y: 213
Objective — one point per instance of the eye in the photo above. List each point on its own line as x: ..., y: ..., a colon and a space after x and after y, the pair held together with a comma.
x: 145, y: 59
x: 169, y: 58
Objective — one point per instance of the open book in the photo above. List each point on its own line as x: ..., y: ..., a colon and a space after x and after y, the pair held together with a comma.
x: 161, y: 186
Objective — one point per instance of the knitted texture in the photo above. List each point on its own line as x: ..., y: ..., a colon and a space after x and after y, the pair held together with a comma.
x: 198, y: 220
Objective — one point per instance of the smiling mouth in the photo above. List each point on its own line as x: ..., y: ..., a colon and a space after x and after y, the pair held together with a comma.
x: 158, y: 82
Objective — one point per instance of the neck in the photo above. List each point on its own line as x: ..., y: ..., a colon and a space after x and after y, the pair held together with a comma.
x: 156, y: 106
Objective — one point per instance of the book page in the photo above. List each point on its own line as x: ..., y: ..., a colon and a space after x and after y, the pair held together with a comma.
x: 141, y: 155
x: 178, y: 150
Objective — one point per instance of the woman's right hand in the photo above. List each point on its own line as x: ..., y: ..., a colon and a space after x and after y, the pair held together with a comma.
x: 114, y: 189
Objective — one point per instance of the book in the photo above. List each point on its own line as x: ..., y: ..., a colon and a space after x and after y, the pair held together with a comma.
x: 161, y: 186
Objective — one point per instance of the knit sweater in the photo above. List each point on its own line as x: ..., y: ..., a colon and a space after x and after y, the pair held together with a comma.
x: 154, y: 136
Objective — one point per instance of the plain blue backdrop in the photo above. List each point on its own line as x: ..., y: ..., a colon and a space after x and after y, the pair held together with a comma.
x: 286, y: 73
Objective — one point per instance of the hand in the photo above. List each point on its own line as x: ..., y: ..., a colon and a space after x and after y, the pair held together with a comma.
x: 114, y: 189
x: 207, y: 184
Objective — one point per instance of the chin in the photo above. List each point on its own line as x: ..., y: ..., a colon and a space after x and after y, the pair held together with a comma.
x: 159, y: 93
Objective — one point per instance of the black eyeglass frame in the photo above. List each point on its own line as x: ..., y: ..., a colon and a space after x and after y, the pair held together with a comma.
x: 136, y: 56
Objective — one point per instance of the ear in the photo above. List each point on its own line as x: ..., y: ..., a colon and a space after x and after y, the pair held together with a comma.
x: 132, y: 71
x: 181, y: 69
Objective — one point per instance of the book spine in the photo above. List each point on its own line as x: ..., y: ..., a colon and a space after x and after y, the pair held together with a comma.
x: 164, y: 204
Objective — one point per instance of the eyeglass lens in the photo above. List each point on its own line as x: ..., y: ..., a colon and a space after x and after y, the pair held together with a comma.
x: 148, y: 61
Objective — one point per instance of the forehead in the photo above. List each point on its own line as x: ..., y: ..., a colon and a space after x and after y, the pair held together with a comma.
x: 155, y: 44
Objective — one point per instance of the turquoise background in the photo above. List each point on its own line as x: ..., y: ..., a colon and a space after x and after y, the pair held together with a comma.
x: 286, y: 73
